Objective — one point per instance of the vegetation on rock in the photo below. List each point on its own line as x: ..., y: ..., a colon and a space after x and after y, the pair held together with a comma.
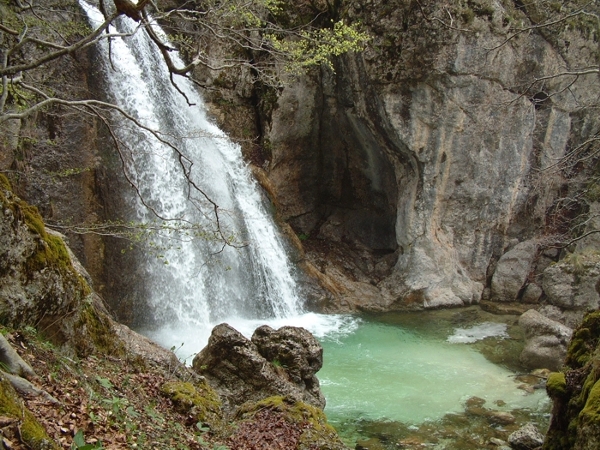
x: 19, y: 422
x: 576, y: 392
x: 556, y: 385
x: 279, y: 421
x: 198, y: 400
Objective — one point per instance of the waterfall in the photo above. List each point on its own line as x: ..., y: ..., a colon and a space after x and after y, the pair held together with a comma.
x: 193, y: 281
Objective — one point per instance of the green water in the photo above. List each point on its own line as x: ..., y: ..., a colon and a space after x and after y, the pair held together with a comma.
x: 405, y: 373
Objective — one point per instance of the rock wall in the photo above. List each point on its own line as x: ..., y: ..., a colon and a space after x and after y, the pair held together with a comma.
x: 406, y: 173
x: 53, y: 157
x: 415, y: 166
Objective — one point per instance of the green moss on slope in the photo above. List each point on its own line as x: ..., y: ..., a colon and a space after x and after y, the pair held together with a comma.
x: 32, y: 433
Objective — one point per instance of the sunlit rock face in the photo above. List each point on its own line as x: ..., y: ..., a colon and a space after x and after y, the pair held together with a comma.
x: 416, y: 164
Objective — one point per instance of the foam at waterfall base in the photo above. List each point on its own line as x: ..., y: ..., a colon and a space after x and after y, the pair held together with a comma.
x: 189, y: 339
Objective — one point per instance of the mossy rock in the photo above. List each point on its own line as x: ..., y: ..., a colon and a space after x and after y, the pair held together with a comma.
x: 576, y: 392
x: 4, y: 183
x: 93, y: 332
x: 556, y: 385
x: 51, y: 250
x: 32, y: 433
x: 315, y: 431
x: 199, y: 400
x: 584, y: 341
x: 59, y: 300
x: 591, y: 411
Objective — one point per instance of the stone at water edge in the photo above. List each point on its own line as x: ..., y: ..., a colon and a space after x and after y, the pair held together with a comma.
x: 296, y: 350
x: 545, y: 341
x: 526, y: 438
x: 234, y: 366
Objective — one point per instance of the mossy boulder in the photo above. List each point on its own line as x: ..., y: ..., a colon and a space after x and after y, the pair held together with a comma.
x: 284, y: 423
x: 42, y: 284
x: 197, y: 400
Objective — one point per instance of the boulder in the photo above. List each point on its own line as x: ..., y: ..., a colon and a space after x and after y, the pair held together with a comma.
x: 237, y: 369
x: 536, y: 324
x: 570, y: 318
x: 474, y: 407
x: 526, y: 438
x: 532, y: 293
x: 571, y: 283
x: 296, y: 350
x: 545, y: 341
x: 512, y: 271
x: 543, y: 351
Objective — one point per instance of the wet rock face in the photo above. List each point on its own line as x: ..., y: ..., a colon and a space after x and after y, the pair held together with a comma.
x: 282, y: 362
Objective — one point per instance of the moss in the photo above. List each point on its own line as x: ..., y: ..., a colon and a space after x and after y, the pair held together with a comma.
x: 31, y: 431
x: 317, y: 433
x: 51, y: 250
x: 584, y: 341
x: 576, y: 412
x: 33, y: 219
x: 198, y: 399
x: 556, y: 386
x: 94, y: 333
x: 4, y: 183
x: 591, y: 411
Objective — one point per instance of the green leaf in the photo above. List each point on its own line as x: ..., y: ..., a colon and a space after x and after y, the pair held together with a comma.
x: 104, y: 382
x: 78, y: 439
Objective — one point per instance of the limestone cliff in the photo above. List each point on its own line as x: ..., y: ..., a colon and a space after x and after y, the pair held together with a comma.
x: 416, y: 165
x: 406, y: 173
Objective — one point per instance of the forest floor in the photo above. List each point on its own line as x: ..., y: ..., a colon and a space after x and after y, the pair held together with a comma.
x: 107, y: 402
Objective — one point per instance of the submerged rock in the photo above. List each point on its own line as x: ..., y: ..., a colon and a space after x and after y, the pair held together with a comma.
x: 282, y: 364
x: 474, y: 407
x: 526, y: 438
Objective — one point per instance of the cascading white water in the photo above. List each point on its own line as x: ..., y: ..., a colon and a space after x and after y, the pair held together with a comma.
x: 189, y: 290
